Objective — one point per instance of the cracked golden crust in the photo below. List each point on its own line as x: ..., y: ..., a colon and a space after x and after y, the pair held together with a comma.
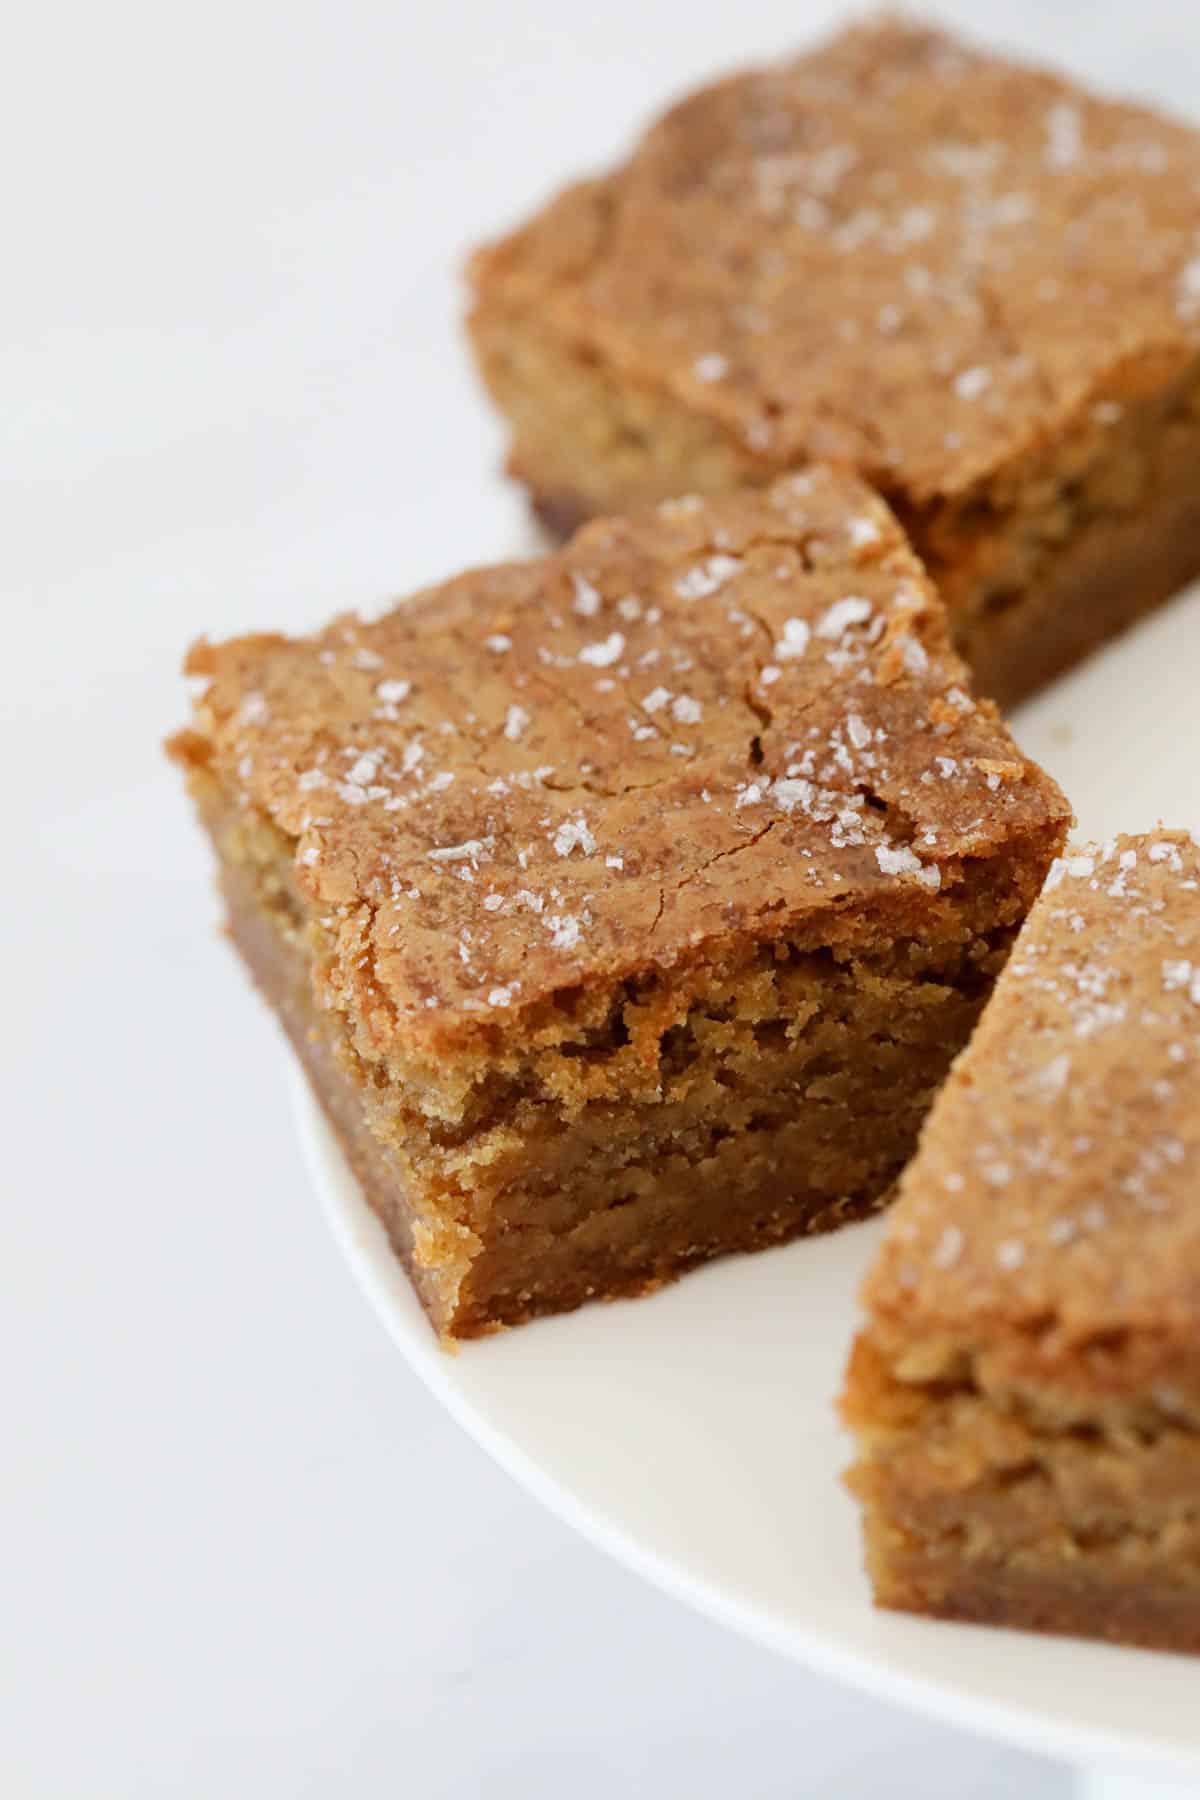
x: 713, y: 721
x: 1049, y: 1226
x: 892, y: 251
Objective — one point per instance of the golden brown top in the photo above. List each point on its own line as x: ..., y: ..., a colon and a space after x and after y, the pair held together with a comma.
x: 1057, y: 1187
x: 714, y: 718
x: 893, y: 251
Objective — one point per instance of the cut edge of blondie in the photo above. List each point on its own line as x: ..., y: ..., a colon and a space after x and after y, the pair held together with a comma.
x: 1039, y: 563
x: 1025, y: 1389
x: 1010, y: 1510
x: 596, y: 1047
x: 539, y: 1195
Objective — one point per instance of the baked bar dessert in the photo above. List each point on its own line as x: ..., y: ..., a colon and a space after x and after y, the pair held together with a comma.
x: 969, y: 280
x: 1026, y: 1392
x: 625, y: 907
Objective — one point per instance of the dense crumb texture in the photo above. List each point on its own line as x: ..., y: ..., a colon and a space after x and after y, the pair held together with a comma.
x: 968, y: 279
x: 625, y: 885
x: 1027, y: 1390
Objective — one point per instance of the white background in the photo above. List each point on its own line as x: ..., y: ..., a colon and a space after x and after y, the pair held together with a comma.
x: 242, y: 1552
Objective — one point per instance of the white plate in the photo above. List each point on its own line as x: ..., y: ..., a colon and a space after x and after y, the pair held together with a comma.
x: 692, y: 1433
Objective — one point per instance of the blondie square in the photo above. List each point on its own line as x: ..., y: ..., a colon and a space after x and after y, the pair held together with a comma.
x: 965, y: 278
x: 625, y: 907
x: 1026, y: 1393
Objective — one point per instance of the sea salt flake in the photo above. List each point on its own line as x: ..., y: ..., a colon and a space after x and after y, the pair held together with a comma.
x: 1064, y: 135
x: 587, y: 598
x: 498, y: 643
x: 853, y: 610
x: 706, y: 577
x: 254, y: 709
x: 499, y: 996
x: 573, y: 834
x: 393, y: 692
x: 686, y: 711
x: 948, y: 1248
x: 1188, y: 289
x: 710, y: 367
x: 1010, y: 1254
x: 1052, y: 1079
x: 515, y: 722
x: 605, y: 653
x: 471, y: 850
x: 971, y: 383
x: 915, y: 656
x: 363, y: 772
x: 564, y: 931
x: 897, y: 860
x: 656, y: 699
x: 794, y: 642
x: 915, y: 224
x: 788, y: 794
x: 683, y: 507
x: 1176, y: 975
x: 769, y: 674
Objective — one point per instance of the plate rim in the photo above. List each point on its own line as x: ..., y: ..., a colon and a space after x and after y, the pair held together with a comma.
x: 380, y: 1277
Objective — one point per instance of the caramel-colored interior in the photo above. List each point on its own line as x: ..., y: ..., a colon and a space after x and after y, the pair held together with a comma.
x: 1047, y: 1509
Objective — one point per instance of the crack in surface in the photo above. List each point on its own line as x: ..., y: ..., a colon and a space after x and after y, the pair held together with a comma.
x: 886, y: 811
x: 718, y: 856
x: 766, y: 630
x: 603, y: 792
x: 542, y: 680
